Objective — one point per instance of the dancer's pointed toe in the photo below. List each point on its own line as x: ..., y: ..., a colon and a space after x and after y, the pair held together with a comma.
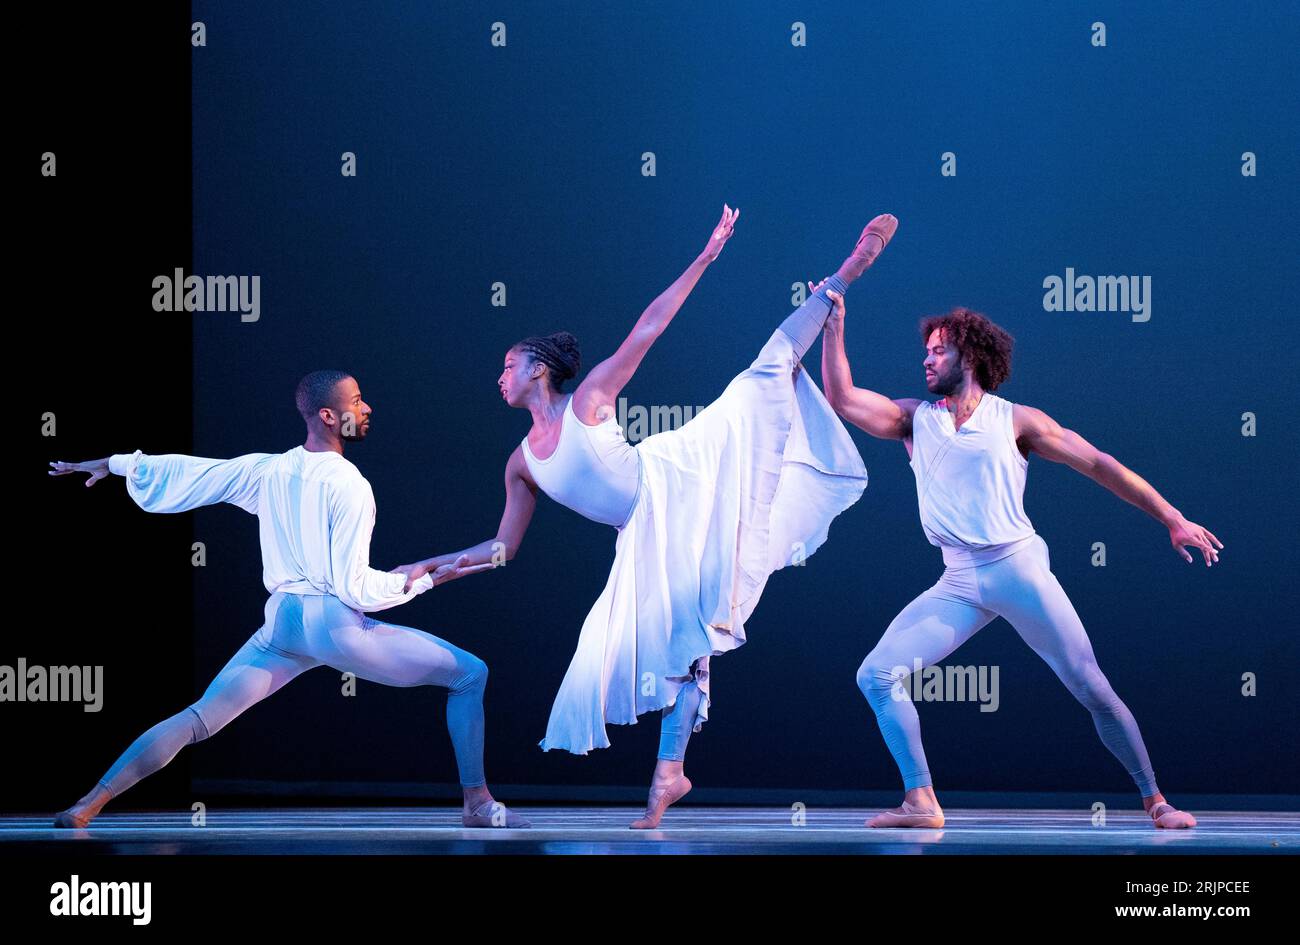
x: 661, y: 798
x: 875, y: 237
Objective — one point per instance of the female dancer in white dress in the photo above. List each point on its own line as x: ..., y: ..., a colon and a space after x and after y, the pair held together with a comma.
x: 705, y: 513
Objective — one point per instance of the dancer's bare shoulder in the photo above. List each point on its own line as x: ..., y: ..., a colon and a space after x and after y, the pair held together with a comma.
x: 1036, y: 432
x: 590, y: 400
x: 517, y: 470
x: 1029, y: 424
x: 908, y: 405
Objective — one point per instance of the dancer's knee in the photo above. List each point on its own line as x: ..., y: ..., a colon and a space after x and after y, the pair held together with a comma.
x: 199, y: 729
x: 877, y: 675
x: 1093, y: 690
x: 473, y: 676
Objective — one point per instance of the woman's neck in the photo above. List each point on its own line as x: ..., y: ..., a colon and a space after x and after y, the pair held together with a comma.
x: 547, y: 408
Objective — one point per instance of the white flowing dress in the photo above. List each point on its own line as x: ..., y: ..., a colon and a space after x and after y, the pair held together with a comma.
x: 746, y: 487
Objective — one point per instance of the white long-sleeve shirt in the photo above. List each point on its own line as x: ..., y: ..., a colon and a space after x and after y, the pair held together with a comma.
x: 315, y: 512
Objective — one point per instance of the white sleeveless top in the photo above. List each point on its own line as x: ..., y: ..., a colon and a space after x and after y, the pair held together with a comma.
x: 970, y: 483
x: 593, y: 471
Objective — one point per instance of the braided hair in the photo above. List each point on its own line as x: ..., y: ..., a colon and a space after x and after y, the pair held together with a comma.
x: 559, y: 352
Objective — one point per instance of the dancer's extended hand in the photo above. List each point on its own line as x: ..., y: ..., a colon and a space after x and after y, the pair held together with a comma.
x: 721, y: 233
x: 1184, y: 533
x: 413, y: 573
x: 448, y: 572
x: 836, y: 317
x: 458, y: 569
x: 837, y: 301
x: 97, y: 469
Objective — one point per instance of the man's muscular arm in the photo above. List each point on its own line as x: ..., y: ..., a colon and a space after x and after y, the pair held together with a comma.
x: 1043, y: 435
x: 865, y: 409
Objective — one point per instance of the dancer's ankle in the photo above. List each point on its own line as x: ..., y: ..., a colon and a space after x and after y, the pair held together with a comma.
x: 667, y: 771
x: 922, y: 797
x: 476, y: 797
x: 837, y: 282
x: 94, y: 801
x: 846, y: 274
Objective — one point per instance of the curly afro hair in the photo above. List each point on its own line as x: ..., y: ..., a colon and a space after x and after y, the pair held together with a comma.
x: 986, y: 346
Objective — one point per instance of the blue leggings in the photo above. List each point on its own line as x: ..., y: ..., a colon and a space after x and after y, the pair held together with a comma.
x: 678, y: 722
x: 1022, y: 588
x: 302, y: 632
x: 804, y: 324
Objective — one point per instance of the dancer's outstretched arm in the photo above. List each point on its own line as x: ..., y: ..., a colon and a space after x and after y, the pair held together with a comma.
x: 600, y: 387
x: 521, y: 500
x: 1042, y: 435
x: 865, y: 409
x: 172, y: 482
x: 603, y: 383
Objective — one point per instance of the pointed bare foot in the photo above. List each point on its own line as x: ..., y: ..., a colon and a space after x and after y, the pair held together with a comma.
x: 80, y: 814
x: 871, y: 243
x: 661, y: 798
x: 492, y: 813
x: 72, y: 819
x: 909, y: 815
x: 1169, y: 817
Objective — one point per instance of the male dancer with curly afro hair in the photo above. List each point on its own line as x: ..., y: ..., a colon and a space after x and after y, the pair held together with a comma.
x: 970, y: 452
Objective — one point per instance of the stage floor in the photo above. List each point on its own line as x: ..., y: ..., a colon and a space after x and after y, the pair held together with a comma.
x: 603, y: 830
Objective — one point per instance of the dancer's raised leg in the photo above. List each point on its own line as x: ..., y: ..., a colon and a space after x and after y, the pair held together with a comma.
x: 804, y: 325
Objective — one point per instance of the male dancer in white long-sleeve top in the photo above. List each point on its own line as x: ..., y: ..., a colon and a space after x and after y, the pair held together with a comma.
x: 969, y: 452
x: 316, y: 513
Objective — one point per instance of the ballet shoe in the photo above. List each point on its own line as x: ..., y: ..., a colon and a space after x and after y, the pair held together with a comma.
x: 1170, y: 817
x: 909, y: 815
x: 867, y: 249
x: 493, y: 813
x: 660, y: 799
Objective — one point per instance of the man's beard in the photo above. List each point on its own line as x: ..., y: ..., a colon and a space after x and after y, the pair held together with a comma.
x: 945, y: 384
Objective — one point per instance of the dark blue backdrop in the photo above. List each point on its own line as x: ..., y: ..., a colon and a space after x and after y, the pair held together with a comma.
x: 522, y: 165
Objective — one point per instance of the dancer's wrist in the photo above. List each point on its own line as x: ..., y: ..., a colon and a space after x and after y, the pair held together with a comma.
x: 438, y: 561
